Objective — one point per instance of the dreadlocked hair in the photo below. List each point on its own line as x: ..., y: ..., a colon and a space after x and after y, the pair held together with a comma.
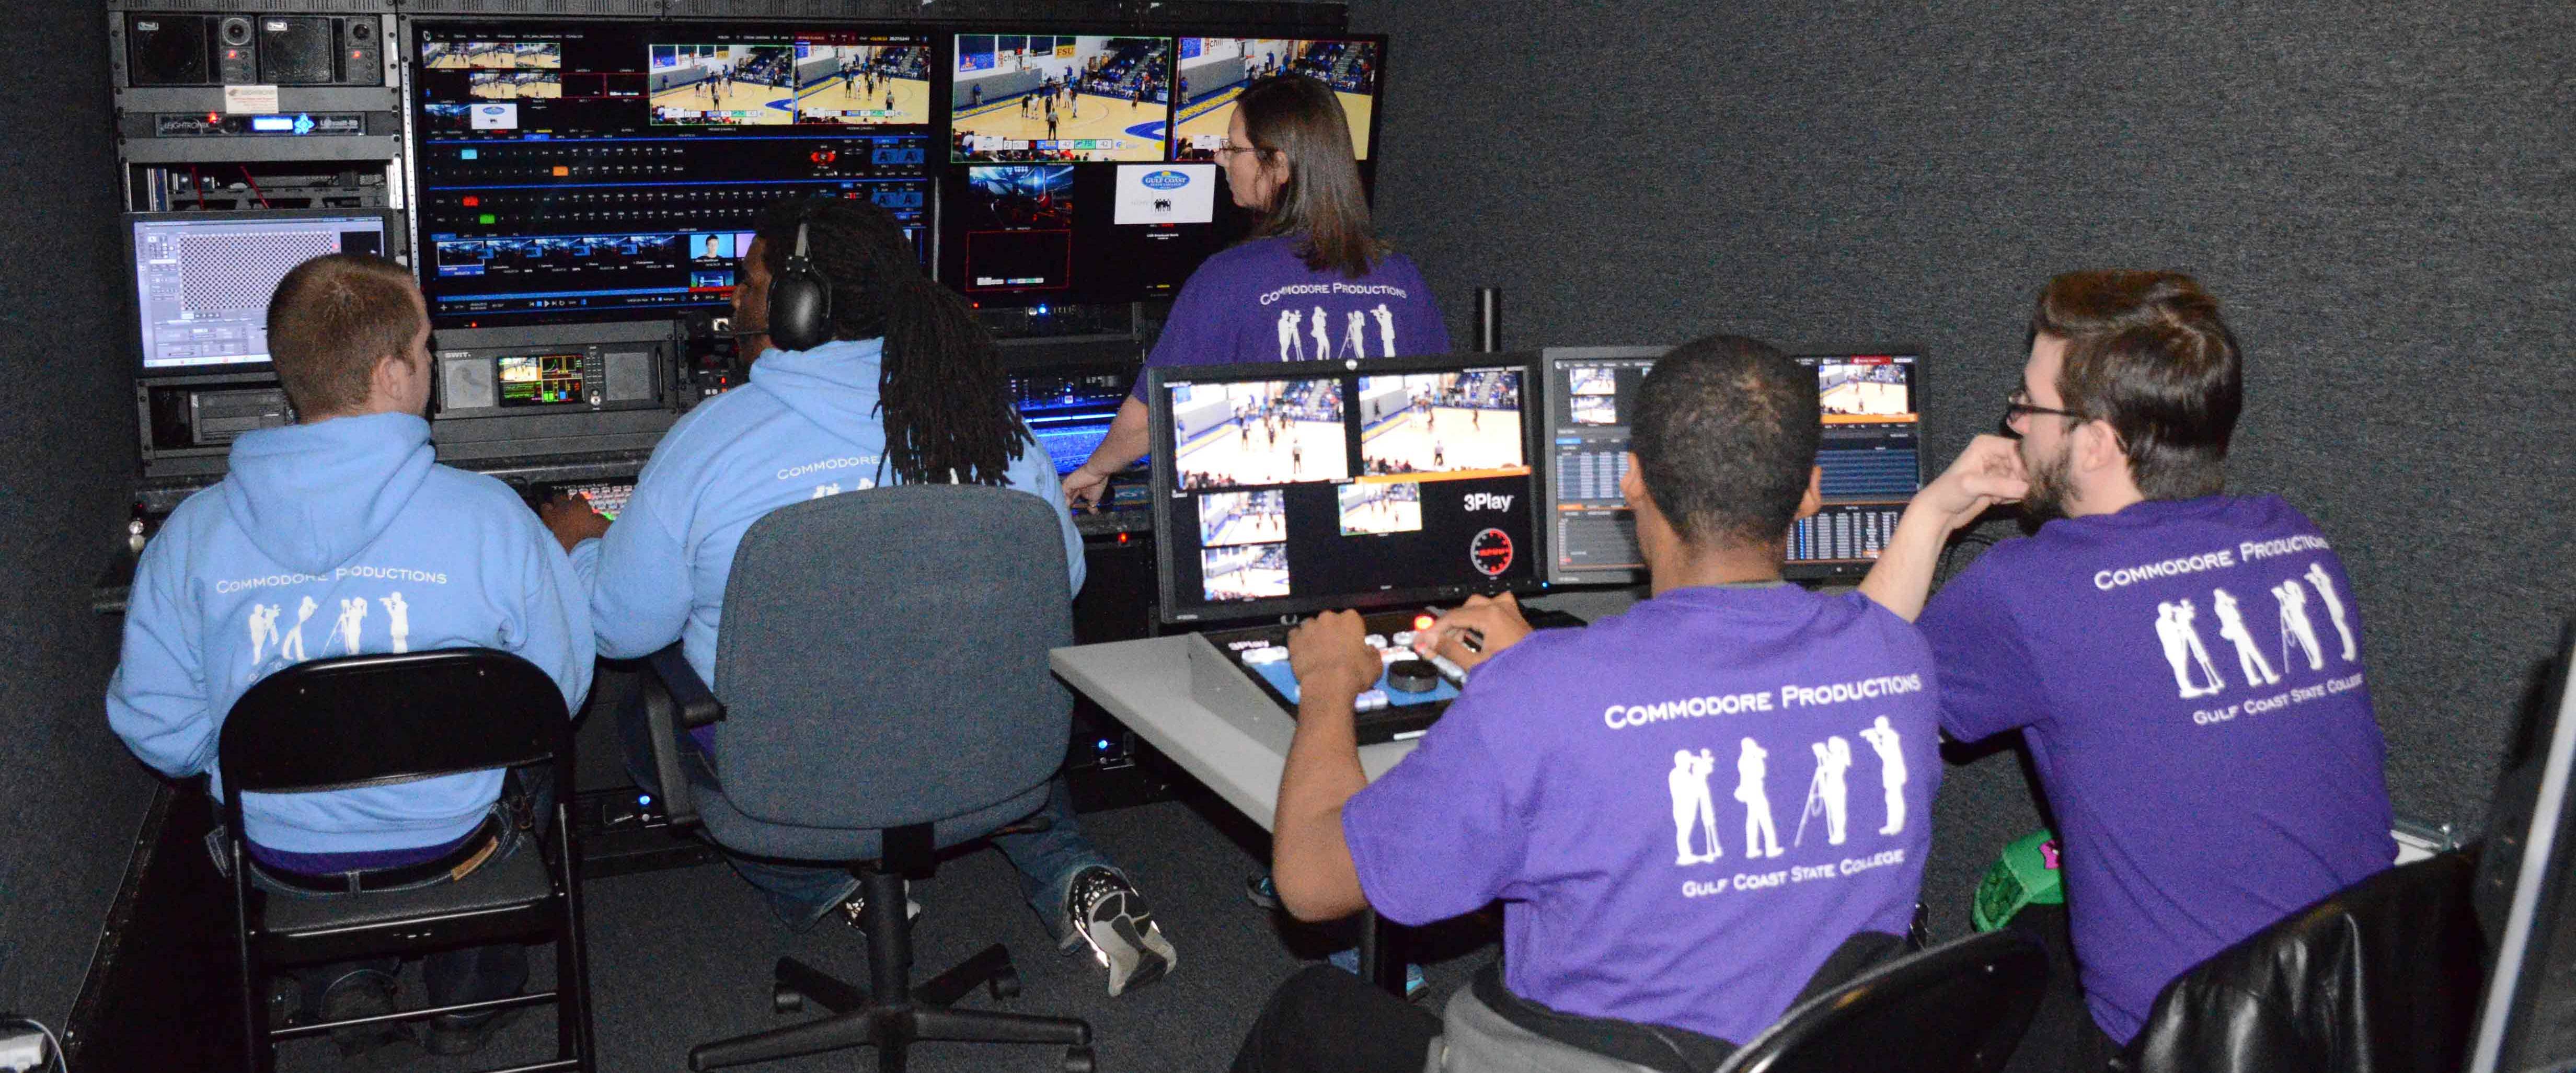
x: 940, y: 389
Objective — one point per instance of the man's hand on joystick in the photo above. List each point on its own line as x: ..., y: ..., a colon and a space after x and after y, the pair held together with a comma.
x: 1475, y: 631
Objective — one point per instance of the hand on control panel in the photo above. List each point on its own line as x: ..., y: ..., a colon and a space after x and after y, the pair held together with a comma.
x: 1496, y: 621
x: 572, y: 520
x: 1331, y: 652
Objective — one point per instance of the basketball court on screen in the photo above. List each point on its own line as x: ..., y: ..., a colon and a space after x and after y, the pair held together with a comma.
x: 1251, y: 572
x: 723, y: 85
x: 1447, y: 423
x: 1261, y: 432
x: 1061, y: 98
x: 864, y: 85
x: 1373, y: 507
x: 1871, y: 390
x: 1242, y: 518
x: 1214, y: 70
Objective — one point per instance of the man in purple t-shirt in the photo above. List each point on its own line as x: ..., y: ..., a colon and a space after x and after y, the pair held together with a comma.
x: 2184, y: 665
x: 1594, y: 780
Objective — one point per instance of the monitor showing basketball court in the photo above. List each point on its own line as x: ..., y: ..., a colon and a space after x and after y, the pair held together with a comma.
x: 1019, y: 97
x: 1376, y: 508
x: 1873, y: 388
x: 1228, y: 518
x: 884, y: 82
x: 1258, y: 432
x: 1451, y: 424
x: 1249, y: 572
x: 723, y: 85
x: 1214, y: 70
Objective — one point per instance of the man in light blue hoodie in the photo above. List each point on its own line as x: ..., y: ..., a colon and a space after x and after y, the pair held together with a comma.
x: 339, y: 535
x: 909, y: 388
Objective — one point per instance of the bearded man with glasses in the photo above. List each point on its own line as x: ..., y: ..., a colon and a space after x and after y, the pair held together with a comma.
x: 2193, y: 807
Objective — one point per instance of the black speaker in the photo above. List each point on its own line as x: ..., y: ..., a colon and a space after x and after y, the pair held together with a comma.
x: 297, y: 50
x: 165, y: 50
x: 362, y: 58
x: 236, y: 51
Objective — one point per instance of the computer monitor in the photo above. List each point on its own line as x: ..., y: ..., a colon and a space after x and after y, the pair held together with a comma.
x: 1069, y: 409
x: 1292, y: 487
x: 1060, y: 98
x: 202, y: 280
x: 588, y: 171
x: 1869, y: 454
x: 2526, y: 889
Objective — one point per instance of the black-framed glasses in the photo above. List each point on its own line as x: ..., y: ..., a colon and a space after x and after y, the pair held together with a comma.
x: 2017, y: 405
x: 1229, y: 149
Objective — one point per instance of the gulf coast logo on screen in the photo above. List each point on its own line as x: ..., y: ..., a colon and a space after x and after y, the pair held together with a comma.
x: 1166, y: 179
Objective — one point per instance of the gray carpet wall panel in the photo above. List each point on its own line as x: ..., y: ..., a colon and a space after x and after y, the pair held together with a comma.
x: 2380, y: 194
x: 71, y: 796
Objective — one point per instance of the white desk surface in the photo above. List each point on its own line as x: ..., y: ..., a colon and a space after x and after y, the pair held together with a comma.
x: 1146, y: 684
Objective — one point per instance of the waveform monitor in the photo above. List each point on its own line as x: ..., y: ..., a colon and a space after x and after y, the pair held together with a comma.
x: 202, y: 280
x: 594, y: 171
x: 1302, y: 486
x: 1869, y: 453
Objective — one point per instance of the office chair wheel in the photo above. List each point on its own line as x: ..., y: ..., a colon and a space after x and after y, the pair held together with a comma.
x: 785, y: 999
x: 1004, y: 984
x: 1080, y: 1060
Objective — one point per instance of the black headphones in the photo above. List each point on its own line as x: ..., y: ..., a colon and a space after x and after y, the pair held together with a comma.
x: 800, y: 302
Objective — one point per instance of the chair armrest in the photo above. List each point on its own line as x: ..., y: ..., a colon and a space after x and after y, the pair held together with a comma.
x: 698, y: 705
x: 675, y: 701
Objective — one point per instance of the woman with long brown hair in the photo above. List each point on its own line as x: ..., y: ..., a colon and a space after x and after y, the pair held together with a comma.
x: 1314, y: 282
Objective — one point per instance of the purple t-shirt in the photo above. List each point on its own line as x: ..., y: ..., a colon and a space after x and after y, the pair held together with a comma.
x: 2188, y: 676
x: 1259, y: 302
x: 1612, y: 784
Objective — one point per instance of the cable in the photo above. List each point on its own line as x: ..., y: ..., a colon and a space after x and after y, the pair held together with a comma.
x: 62, y: 1062
x: 254, y: 187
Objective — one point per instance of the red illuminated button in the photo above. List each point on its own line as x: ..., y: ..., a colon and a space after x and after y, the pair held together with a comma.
x: 1423, y: 622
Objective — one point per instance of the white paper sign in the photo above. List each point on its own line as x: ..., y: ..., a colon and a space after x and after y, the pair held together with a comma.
x: 1166, y: 193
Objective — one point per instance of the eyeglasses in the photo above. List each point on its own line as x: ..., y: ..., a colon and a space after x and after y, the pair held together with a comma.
x: 1229, y: 149
x: 2017, y: 406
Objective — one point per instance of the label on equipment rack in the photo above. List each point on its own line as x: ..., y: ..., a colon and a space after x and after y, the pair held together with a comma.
x: 240, y: 99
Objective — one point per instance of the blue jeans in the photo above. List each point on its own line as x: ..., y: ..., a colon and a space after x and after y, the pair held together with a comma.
x: 803, y: 894
x: 452, y: 977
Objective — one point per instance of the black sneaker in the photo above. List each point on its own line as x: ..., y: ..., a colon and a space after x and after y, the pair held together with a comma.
x: 364, y: 993
x: 466, y: 1033
x: 1106, y: 912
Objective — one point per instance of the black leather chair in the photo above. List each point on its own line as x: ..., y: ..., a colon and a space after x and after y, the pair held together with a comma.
x: 1959, y: 1007
x: 357, y: 721
x: 886, y: 695
x: 2380, y: 977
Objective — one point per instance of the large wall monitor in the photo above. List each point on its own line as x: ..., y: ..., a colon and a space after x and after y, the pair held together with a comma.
x: 614, y: 170
x: 1214, y: 70
x: 1869, y: 454
x: 1302, y: 486
x: 202, y: 281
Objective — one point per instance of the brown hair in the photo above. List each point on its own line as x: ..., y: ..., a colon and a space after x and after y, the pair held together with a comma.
x: 1301, y: 119
x: 332, y: 319
x: 2147, y: 352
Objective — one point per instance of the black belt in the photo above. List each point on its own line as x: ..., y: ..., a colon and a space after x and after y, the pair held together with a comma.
x: 454, y: 864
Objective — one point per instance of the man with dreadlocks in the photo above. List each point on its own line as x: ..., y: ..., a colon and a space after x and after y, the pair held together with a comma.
x: 910, y: 388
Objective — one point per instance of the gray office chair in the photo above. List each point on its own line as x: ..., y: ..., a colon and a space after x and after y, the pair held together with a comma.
x: 886, y: 695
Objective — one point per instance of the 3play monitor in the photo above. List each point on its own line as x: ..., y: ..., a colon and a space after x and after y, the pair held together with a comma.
x: 597, y: 170
x: 202, y: 280
x: 1870, y: 455
x: 1302, y: 486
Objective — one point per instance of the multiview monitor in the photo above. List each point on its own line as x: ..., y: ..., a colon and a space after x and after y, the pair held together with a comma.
x: 1303, y: 486
x: 1868, y: 405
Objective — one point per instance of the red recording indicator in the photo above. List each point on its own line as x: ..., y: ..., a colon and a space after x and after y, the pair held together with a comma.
x: 1423, y: 622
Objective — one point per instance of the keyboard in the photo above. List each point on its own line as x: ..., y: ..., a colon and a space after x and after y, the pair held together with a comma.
x: 607, y: 497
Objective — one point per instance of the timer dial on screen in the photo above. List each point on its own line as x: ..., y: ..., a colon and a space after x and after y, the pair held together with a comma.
x: 1491, y: 551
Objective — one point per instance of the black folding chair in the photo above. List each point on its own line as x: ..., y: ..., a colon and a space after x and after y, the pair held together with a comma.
x: 1959, y: 1007
x: 361, y: 721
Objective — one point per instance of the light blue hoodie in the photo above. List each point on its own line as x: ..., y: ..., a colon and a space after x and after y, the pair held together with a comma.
x: 806, y: 426
x: 328, y: 539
